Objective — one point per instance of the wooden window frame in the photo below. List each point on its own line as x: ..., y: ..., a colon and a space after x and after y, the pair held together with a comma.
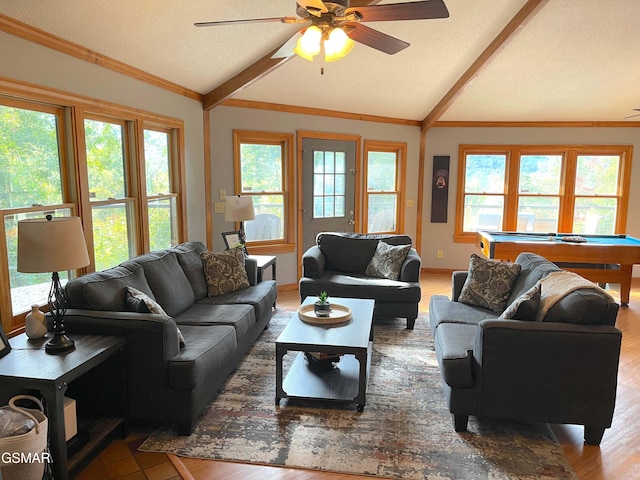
x: 286, y: 143
x: 400, y: 149
x: 566, y: 195
x: 72, y: 110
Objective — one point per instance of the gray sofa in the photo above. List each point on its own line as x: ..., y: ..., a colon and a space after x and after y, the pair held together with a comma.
x: 561, y: 369
x: 164, y: 380
x: 338, y: 262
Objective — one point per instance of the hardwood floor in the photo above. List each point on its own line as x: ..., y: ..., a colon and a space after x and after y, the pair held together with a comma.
x: 618, y: 456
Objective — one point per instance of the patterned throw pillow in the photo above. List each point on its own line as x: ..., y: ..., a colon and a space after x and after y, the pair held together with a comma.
x: 224, y: 271
x: 489, y: 283
x: 387, y: 260
x: 140, y: 302
x: 525, y: 307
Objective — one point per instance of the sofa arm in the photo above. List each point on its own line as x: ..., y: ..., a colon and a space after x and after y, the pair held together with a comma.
x: 251, y: 266
x: 155, y: 334
x: 410, y: 270
x: 457, y: 282
x: 313, y: 262
x: 547, y: 371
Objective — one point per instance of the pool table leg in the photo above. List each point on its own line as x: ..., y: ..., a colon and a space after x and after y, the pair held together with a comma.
x: 625, y: 285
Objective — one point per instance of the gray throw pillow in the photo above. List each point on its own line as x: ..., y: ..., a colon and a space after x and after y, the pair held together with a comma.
x: 525, y: 307
x: 150, y: 306
x: 387, y: 261
x: 489, y: 283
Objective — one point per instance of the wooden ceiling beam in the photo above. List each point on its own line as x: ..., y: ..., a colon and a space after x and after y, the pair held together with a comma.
x: 526, y: 13
x: 255, y: 72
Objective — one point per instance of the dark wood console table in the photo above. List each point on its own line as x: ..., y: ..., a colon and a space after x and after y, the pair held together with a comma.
x: 28, y: 366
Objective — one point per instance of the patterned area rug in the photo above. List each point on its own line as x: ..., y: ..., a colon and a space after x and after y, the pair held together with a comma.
x: 404, y: 432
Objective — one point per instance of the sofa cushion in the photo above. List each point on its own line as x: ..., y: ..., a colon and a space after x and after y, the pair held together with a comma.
x: 454, y: 344
x: 209, y: 349
x: 167, y: 280
x: 362, y: 286
x: 525, y: 307
x: 151, y: 307
x: 387, y: 260
x: 224, y: 271
x: 584, y: 306
x: 241, y: 317
x: 347, y: 254
x: 106, y: 290
x: 261, y: 297
x: 489, y: 283
x: 443, y: 310
x: 188, y: 255
x: 533, y: 268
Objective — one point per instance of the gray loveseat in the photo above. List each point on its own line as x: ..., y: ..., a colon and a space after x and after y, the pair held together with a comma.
x: 338, y: 263
x: 558, y: 369
x: 165, y: 381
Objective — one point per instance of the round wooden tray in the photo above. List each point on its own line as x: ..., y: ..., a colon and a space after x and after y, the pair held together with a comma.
x: 338, y: 314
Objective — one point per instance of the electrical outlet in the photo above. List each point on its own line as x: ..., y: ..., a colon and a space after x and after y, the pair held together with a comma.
x: 440, y: 254
x: 218, y: 207
x: 223, y: 193
x: 411, y: 203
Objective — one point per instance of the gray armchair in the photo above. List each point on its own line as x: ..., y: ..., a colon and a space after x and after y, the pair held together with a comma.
x: 337, y: 264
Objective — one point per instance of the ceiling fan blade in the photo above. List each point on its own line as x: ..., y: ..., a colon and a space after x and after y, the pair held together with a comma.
x: 312, y: 6
x: 375, y: 39
x: 401, y: 11
x: 631, y: 116
x: 287, y: 47
x: 250, y: 20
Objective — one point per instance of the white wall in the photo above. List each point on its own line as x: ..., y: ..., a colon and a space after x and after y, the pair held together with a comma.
x: 225, y: 119
x: 445, y: 141
x: 32, y: 63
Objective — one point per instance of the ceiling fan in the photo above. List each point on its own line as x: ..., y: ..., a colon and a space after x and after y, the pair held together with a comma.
x: 333, y: 25
x: 636, y: 115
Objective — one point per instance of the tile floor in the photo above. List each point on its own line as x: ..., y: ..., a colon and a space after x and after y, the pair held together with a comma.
x: 121, y: 460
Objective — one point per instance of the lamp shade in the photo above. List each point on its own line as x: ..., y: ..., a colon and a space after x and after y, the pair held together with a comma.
x: 53, y: 244
x: 239, y: 209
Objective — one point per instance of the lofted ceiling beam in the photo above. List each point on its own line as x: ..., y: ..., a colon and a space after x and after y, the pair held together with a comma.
x: 255, y: 72
x: 526, y: 13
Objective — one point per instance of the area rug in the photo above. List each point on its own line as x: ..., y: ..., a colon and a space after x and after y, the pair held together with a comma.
x: 404, y: 432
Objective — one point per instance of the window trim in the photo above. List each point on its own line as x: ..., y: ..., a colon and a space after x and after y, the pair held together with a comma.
x: 72, y: 110
x: 286, y: 142
x: 567, y: 196
x: 400, y: 149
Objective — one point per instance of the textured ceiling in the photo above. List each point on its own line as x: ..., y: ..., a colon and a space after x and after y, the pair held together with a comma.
x: 571, y: 61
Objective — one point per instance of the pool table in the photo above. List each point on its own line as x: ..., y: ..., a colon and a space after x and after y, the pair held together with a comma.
x: 601, y: 259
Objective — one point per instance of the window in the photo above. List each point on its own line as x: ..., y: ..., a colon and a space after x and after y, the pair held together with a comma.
x: 31, y: 185
x: 383, y: 171
x: 161, y: 199
x: 329, y: 184
x: 41, y: 172
x: 263, y: 169
x: 542, y: 189
x: 112, y: 206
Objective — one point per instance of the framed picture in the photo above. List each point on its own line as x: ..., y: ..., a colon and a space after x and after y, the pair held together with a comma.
x: 231, y: 239
x: 4, y: 344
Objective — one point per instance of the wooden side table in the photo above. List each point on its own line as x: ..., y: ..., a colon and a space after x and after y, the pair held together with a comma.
x: 265, y: 261
x: 28, y: 366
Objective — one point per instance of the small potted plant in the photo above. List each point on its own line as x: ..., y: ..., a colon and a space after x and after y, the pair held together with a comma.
x: 322, y: 307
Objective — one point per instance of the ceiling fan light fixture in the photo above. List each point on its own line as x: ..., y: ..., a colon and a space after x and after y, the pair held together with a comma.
x: 337, y: 45
x: 309, y: 43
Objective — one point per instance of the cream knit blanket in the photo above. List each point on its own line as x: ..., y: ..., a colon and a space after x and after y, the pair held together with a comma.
x: 557, y: 285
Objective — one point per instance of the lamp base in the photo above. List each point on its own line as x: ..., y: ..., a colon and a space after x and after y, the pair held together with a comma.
x: 60, y: 343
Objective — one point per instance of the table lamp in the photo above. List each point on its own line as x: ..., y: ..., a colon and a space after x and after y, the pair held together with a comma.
x: 239, y: 209
x: 53, y: 244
